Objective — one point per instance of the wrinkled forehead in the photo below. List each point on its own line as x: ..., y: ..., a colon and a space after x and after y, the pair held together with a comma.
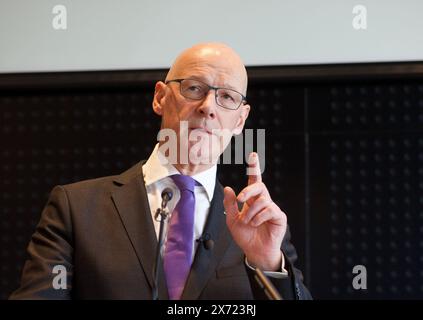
x: 216, y: 67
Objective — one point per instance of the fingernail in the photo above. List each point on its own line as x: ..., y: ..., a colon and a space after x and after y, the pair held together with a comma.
x: 251, y: 158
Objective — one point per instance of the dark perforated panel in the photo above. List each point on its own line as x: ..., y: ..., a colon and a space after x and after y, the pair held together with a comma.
x: 367, y: 182
x: 376, y: 107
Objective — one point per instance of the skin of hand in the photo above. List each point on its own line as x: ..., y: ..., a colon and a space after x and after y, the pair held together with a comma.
x: 260, y: 226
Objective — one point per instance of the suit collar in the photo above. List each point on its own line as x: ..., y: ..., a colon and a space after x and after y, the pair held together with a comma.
x: 130, y: 174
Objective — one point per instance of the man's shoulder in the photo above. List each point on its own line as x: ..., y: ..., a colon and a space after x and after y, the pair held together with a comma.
x: 94, y: 183
x: 106, y: 183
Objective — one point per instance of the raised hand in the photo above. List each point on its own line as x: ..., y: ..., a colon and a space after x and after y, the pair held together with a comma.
x: 260, y: 226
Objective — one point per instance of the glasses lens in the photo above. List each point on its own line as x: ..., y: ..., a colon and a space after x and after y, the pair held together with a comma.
x: 193, y: 89
x: 229, y: 98
x: 197, y: 90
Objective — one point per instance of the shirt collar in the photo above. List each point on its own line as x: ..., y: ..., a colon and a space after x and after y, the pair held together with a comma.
x: 154, y: 170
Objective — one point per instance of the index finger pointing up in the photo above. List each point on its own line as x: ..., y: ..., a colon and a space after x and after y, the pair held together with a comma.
x: 253, y: 170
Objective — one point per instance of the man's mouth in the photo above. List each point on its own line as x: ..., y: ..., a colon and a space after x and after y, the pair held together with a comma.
x: 200, y: 128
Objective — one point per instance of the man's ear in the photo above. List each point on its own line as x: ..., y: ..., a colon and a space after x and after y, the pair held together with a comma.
x: 242, y: 118
x: 159, y: 93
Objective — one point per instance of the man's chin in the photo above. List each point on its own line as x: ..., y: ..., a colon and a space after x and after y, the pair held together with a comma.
x: 204, y: 154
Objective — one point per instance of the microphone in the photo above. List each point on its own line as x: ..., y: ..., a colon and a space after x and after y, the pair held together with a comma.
x: 206, y: 240
x: 167, y: 195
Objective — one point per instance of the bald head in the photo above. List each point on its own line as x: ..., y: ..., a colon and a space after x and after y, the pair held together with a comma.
x: 219, y: 58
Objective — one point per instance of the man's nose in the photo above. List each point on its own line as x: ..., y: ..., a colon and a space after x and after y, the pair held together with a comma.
x: 208, y: 106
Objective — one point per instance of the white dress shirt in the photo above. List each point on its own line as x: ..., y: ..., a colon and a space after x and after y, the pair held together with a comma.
x: 157, y: 174
x: 157, y: 178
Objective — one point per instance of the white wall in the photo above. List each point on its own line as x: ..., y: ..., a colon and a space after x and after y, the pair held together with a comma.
x: 141, y: 34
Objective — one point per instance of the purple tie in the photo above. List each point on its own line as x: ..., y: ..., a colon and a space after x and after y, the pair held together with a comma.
x: 178, y: 251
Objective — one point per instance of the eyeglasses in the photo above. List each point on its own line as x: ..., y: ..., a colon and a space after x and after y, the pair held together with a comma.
x: 198, y: 90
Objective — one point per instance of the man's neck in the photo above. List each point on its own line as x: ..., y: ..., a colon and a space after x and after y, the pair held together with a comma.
x: 188, y: 168
x: 191, y: 169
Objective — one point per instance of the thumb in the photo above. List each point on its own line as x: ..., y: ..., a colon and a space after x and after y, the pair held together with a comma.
x: 230, y: 202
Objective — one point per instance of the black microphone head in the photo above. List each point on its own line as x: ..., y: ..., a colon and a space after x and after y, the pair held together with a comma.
x: 209, y: 244
x: 167, y: 194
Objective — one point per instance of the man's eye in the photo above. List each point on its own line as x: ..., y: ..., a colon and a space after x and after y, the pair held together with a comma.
x: 228, y: 97
x: 194, y: 88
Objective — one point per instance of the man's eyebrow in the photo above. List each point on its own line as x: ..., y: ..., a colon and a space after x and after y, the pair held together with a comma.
x: 207, y: 81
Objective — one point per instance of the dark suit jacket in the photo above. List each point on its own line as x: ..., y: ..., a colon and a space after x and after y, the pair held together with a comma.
x: 101, y: 230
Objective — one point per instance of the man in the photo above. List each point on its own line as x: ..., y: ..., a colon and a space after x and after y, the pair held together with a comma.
x: 103, y: 233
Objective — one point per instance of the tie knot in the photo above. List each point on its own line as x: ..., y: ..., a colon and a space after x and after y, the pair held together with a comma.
x: 183, y: 182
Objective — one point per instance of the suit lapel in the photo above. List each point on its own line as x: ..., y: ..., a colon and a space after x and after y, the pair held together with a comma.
x: 205, y: 261
x: 131, y: 202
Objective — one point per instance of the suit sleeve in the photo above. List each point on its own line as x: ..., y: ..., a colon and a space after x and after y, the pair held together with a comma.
x: 290, y: 288
x: 50, y: 246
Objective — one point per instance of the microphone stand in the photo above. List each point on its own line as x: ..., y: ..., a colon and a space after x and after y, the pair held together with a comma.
x: 164, y: 215
x: 267, y: 286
